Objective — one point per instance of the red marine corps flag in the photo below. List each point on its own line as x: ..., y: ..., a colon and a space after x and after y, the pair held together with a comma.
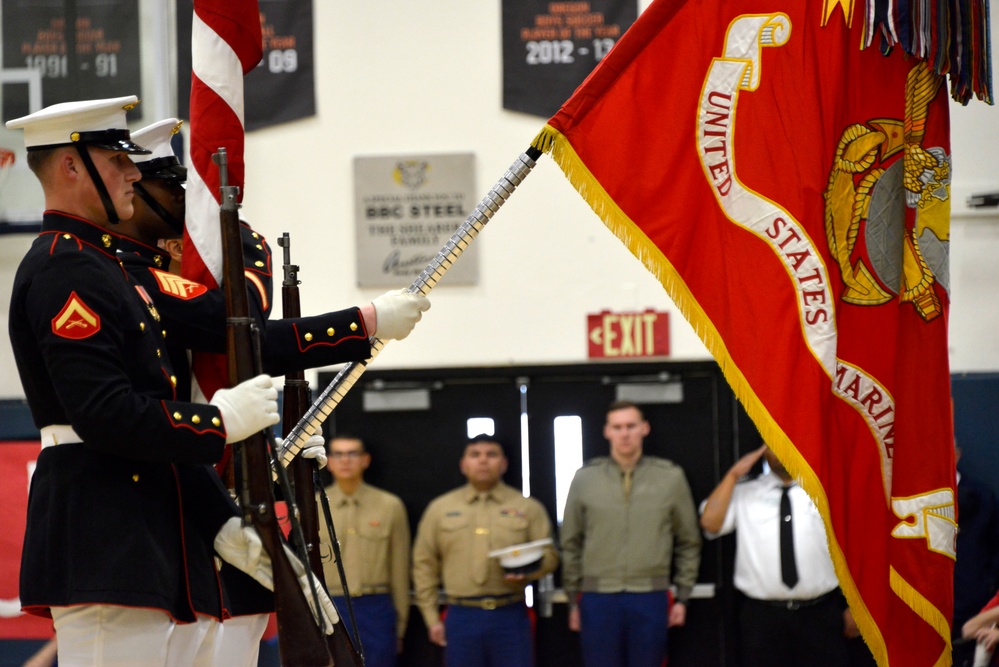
x: 791, y: 191
x: 226, y: 44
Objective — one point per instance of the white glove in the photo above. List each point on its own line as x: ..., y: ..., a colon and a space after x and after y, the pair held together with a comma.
x: 240, y: 546
x: 397, y: 312
x: 247, y: 408
x: 314, y: 448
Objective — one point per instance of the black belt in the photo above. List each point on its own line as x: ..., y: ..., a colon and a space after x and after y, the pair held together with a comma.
x: 794, y: 605
x: 488, y: 603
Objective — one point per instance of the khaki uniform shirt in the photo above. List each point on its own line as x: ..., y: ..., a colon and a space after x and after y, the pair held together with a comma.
x: 373, y: 531
x: 457, y: 532
x: 613, y: 542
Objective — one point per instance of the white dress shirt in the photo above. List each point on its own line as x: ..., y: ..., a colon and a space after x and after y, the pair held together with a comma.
x: 754, y: 513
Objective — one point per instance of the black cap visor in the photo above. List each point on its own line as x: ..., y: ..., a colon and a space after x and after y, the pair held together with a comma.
x: 111, y: 140
x: 165, y: 168
x: 526, y: 568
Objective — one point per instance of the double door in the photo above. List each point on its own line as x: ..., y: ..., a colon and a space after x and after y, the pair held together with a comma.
x: 416, y: 423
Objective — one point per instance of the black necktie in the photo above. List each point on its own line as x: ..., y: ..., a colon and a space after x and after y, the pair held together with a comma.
x: 788, y: 568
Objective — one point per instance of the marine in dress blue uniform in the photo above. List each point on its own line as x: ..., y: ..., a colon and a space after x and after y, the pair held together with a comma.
x: 196, y: 318
x: 197, y: 314
x: 121, y: 454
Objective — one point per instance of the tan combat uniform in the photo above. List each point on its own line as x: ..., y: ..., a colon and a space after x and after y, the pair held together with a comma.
x: 455, y: 535
x: 373, y: 531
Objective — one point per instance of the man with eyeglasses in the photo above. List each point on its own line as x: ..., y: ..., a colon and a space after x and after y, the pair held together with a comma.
x: 373, y: 532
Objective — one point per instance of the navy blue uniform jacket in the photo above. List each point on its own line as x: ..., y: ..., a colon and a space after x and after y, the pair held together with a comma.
x: 195, y: 316
x: 105, y: 518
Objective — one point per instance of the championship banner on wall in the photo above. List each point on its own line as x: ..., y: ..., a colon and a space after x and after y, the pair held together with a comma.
x: 406, y: 208
x: 550, y: 47
x: 282, y: 87
x: 96, y: 59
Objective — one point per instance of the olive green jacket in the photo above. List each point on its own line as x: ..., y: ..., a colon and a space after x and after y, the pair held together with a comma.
x: 613, y: 543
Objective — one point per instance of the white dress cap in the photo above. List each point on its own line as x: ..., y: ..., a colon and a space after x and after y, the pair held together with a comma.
x: 522, y: 558
x: 161, y: 162
x: 98, y: 123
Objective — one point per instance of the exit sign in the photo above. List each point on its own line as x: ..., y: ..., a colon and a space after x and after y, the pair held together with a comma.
x: 628, y: 335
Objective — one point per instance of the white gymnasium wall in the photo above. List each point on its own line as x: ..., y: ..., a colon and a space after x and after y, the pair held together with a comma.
x: 397, y: 77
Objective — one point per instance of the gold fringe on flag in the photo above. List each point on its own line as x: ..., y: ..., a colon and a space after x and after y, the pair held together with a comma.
x: 929, y: 613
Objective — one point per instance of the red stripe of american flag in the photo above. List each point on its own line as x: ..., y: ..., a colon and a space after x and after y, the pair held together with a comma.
x: 226, y: 43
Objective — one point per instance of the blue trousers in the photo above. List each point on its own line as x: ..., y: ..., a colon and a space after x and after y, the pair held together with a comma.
x: 488, y: 637
x: 376, y: 623
x: 623, y: 629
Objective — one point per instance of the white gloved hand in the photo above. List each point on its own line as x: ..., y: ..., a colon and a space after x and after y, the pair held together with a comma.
x: 397, y: 312
x: 325, y: 604
x: 240, y: 546
x: 247, y: 408
x: 314, y: 448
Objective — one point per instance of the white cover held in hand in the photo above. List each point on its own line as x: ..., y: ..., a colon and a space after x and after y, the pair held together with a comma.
x: 397, y: 312
x: 247, y: 408
x: 240, y: 546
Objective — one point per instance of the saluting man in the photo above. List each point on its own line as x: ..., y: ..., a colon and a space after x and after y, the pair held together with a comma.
x: 104, y: 549
x: 487, y: 623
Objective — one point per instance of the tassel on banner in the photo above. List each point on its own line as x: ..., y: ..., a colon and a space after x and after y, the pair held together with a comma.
x: 951, y: 35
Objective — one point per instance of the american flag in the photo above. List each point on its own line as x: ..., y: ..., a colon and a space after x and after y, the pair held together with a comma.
x: 226, y: 43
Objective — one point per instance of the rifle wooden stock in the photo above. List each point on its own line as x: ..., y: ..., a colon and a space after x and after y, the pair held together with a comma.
x: 296, y: 402
x: 300, y: 640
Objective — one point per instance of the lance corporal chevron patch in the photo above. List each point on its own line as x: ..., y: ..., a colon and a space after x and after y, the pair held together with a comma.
x: 76, y: 320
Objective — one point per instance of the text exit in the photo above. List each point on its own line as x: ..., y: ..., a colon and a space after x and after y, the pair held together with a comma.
x: 623, y: 335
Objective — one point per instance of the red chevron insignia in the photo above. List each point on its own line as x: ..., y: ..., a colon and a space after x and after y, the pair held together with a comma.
x: 174, y: 285
x: 76, y: 320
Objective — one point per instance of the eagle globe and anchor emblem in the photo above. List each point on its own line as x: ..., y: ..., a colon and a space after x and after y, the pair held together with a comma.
x: 881, y: 171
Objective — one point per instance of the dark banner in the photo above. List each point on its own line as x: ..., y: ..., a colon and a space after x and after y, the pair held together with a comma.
x: 282, y: 87
x: 98, y: 57
x: 550, y: 47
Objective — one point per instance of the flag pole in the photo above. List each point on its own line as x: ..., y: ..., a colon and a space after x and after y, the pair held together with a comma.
x: 313, y: 419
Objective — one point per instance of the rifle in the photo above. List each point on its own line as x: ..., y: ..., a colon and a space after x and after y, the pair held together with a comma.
x: 303, y: 471
x: 300, y: 640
